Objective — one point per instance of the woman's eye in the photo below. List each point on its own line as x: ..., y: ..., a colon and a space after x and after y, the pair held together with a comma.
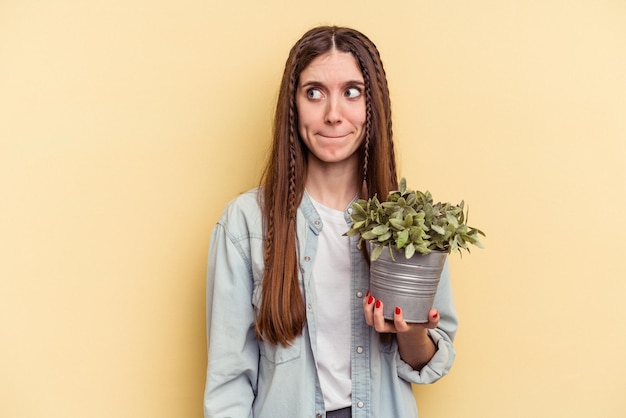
x: 353, y: 92
x: 314, y: 94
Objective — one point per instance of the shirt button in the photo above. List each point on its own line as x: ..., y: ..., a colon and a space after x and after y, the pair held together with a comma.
x: 359, y: 349
x: 307, y: 258
x: 309, y: 306
x: 359, y: 294
x: 317, y: 223
x: 318, y: 415
x: 360, y: 404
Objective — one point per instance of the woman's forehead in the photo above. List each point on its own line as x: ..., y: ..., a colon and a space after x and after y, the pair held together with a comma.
x: 332, y: 65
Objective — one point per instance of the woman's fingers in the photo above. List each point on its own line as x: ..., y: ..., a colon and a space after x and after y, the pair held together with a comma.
x: 433, y: 319
x: 373, y: 310
x: 368, y: 308
x: 379, y: 320
x: 398, y: 320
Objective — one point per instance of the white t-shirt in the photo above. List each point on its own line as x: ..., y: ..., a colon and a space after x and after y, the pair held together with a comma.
x: 332, y: 276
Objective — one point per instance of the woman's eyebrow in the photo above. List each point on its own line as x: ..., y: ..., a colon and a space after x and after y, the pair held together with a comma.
x: 315, y: 83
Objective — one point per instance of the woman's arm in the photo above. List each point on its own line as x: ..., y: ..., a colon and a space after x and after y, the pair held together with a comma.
x: 233, y: 352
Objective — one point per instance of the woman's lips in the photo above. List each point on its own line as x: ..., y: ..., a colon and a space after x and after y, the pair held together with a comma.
x: 333, y: 136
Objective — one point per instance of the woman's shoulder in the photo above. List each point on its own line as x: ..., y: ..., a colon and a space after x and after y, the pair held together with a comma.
x: 243, y: 210
x: 249, y: 197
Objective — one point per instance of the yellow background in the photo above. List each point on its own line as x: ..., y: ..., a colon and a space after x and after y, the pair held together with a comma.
x: 126, y: 126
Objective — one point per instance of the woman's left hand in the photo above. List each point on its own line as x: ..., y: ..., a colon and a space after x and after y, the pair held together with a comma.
x: 414, y: 344
x: 373, y: 310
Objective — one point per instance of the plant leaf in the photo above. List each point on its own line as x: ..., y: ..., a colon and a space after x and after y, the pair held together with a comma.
x: 368, y: 235
x: 358, y: 209
x: 403, y: 237
x: 438, y: 229
x: 358, y: 224
x: 376, y: 252
x: 409, y: 250
x: 384, y: 237
x: 452, y: 220
x: 380, y: 229
x: 397, y: 224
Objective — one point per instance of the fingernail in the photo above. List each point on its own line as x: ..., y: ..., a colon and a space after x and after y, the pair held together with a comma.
x: 378, y: 304
x: 367, y: 293
x: 436, y: 315
x: 398, y: 311
x: 370, y: 300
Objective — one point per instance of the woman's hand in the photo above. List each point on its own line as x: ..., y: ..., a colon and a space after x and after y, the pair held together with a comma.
x: 373, y: 310
x: 414, y: 345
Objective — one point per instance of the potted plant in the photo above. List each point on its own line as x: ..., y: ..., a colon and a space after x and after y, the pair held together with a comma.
x: 409, y: 238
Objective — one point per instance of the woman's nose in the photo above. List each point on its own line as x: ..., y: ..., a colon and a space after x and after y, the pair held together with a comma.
x: 333, y: 111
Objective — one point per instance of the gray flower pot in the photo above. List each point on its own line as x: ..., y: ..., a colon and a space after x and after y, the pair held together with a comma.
x: 409, y: 284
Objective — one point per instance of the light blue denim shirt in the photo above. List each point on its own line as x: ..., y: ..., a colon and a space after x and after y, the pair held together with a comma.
x: 251, y: 379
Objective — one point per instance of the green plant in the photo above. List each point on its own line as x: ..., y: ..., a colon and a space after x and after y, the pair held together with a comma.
x: 410, y: 220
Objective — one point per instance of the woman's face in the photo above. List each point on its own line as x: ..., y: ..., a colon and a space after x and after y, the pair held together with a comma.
x: 330, y: 101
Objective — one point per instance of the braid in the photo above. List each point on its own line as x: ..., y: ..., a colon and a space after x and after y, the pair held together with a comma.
x: 368, y: 124
x: 292, y: 303
x: 368, y: 134
x: 384, y: 88
x: 384, y: 144
x: 269, y: 238
x: 291, y: 203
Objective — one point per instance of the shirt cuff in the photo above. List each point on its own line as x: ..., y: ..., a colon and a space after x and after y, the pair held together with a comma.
x: 438, y: 366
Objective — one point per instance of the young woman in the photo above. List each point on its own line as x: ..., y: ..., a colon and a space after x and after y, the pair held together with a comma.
x: 293, y: 331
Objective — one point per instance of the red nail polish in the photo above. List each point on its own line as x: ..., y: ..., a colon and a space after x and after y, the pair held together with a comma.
x: 436, y: 315
x: 367, y: 293
x: 378, y: 304
x: 370, y: 300
x: 398, y: 311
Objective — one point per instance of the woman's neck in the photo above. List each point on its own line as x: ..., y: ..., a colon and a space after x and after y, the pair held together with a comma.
x: 332, y: 188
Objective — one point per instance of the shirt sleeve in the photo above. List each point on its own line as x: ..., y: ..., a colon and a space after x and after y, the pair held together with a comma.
x: 233, y: 351
x: 443, y: 337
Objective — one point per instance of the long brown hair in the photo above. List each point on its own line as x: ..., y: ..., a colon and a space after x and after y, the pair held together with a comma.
x: 281, y: 316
